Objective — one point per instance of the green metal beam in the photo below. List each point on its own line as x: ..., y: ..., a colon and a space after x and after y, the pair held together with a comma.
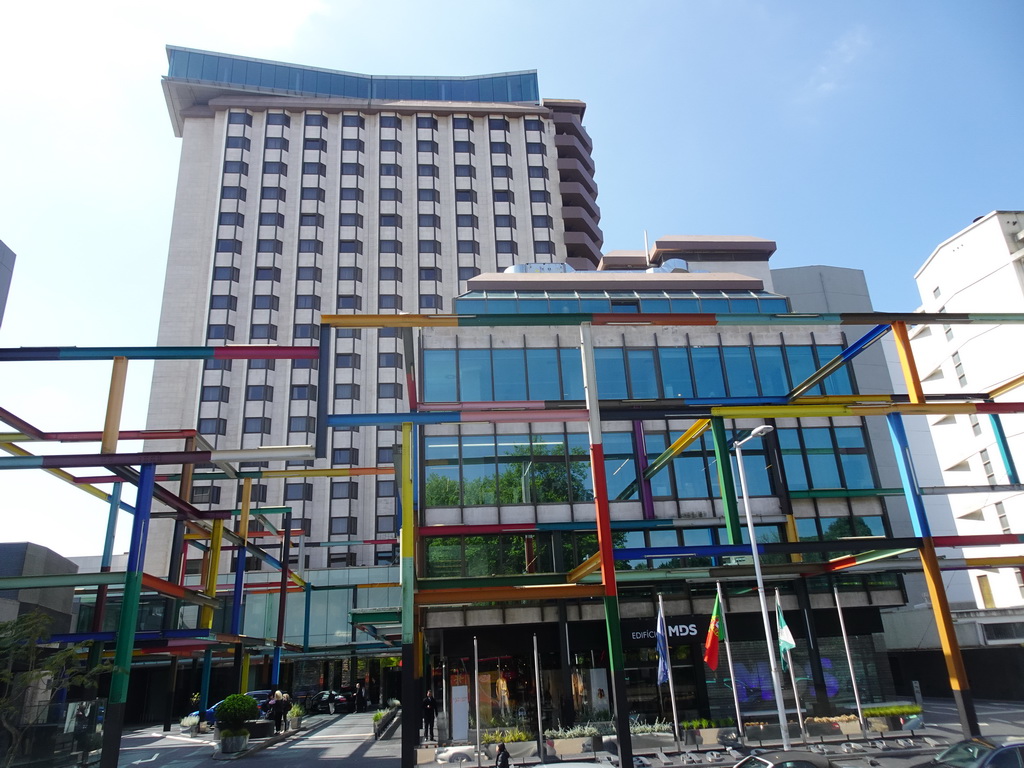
x: 726, y: 483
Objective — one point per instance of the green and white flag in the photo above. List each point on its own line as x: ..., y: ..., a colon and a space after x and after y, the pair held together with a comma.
x: 786, y: 641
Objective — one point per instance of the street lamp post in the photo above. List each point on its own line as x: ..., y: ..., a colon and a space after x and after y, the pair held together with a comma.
x: 764, y: 429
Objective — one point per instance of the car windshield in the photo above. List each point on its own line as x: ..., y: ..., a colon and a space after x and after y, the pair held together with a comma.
x: 753, y: 762
x: 965, y: 754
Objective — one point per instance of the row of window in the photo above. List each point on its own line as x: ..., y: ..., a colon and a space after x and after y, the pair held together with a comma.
x: 515, y: 554
x: 387, y: 194
x: 555, y: 468
x: 386, y: 145
x: 226, y: 331
x: 235, y: 192
x: 262, y: 425
x: 275, y: 219
x: 227, y: 245
x: 386, y: 121
x: 297, y: 491
x: 451, y: 375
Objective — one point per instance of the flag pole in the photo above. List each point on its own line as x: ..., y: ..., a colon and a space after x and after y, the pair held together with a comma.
x: 663, y: 631
x: 476, y: 690
x: 728, y: 656
x: 788, y: 661
x: 849, y: 662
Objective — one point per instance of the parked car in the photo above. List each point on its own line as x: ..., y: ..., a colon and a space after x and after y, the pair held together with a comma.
x: 786, y: 759
x: 211, y: 713
x: 330, y: 702
x: 981, y: 752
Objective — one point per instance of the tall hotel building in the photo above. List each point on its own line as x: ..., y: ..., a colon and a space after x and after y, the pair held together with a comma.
x: 304, y: 190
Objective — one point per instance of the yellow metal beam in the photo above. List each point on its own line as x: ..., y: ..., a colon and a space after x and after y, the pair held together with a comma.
x: 1002, y: 389
x: 906, y: 354
x: 115, y: 401
x: 994, y: 562
x: 60, y: 474
x: 585, y: 568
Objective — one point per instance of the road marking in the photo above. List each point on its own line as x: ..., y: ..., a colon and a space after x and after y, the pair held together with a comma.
x: 150, y: 760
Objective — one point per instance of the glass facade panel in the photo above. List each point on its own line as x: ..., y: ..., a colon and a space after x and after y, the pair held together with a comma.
x: 792, y: 459
x: 542, y: 371
x: 771, y: 371
x: 510, y: 383
x: 707, y: 372
x: 441, y: 464
x: 838, y: 383
x: 643, y: 377
x: 514, y: 469
x: 739, y: 371
x: 572, y: 374
x: 801, y: 366
x: 478, y: 470
x: 620, y: 464
x: 439, y: 380
x: 661, y: 483
x: 675, y: 371
x: 821, y: 460
x: 611, y: 373
x: 475, y: 378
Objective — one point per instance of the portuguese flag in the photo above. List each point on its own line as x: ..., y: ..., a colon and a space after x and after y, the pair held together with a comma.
x: 714, y: 635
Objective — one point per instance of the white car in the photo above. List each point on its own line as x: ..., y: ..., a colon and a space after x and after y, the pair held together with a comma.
x: 463, y: 754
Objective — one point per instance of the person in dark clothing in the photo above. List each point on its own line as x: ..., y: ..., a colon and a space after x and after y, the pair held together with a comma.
x: 360, y: 698
x: 501, y: 759
x: 429, y: 710
x: 279, y: 710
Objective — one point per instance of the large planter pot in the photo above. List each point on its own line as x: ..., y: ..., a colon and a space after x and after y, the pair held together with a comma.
x: 882, y: 724
x: 659, y: 742
x: 294, y: 723
x: 570, y: 746
x: 231, y: 744
x: 822, y: 729
x: 849, y: 727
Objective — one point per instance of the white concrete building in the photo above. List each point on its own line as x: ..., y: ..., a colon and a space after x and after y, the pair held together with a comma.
x: 304, y: 191
x: 978, y: 270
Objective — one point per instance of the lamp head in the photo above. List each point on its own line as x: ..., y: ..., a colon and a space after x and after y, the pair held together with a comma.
x: 761, y: 430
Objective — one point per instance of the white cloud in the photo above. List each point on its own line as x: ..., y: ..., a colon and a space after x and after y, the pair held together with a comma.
x: 838, y: 63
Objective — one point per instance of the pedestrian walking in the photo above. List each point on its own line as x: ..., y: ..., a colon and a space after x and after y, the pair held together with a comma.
x: 279, y: 709
x: 501, y: 760
x: 360, y: 698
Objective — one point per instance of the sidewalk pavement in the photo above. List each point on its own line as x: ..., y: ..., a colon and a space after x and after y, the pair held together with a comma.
x: 351, y: 738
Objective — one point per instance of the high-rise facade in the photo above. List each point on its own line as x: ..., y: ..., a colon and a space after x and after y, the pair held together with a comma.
x: 303, y: 191
x: 979, y: 267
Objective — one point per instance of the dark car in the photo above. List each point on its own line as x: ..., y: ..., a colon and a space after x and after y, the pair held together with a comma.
x: 330, y: 702
x: 211, y: 712
x: 791, y: 759
x: 981, y: 752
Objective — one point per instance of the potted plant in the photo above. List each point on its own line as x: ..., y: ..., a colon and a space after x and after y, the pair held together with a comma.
x: 190, y: 724
x: 295, y: 717
x: 570, y: 741
x: 231, y: 715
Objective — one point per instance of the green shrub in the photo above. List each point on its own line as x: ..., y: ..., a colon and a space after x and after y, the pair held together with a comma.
x: 894, y: 711
x: 296, y: 711
x: 506, y: 736
x: 234, y: 711
x: 575, y: 732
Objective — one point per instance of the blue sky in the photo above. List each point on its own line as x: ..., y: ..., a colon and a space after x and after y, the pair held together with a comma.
x: 857, y: 134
